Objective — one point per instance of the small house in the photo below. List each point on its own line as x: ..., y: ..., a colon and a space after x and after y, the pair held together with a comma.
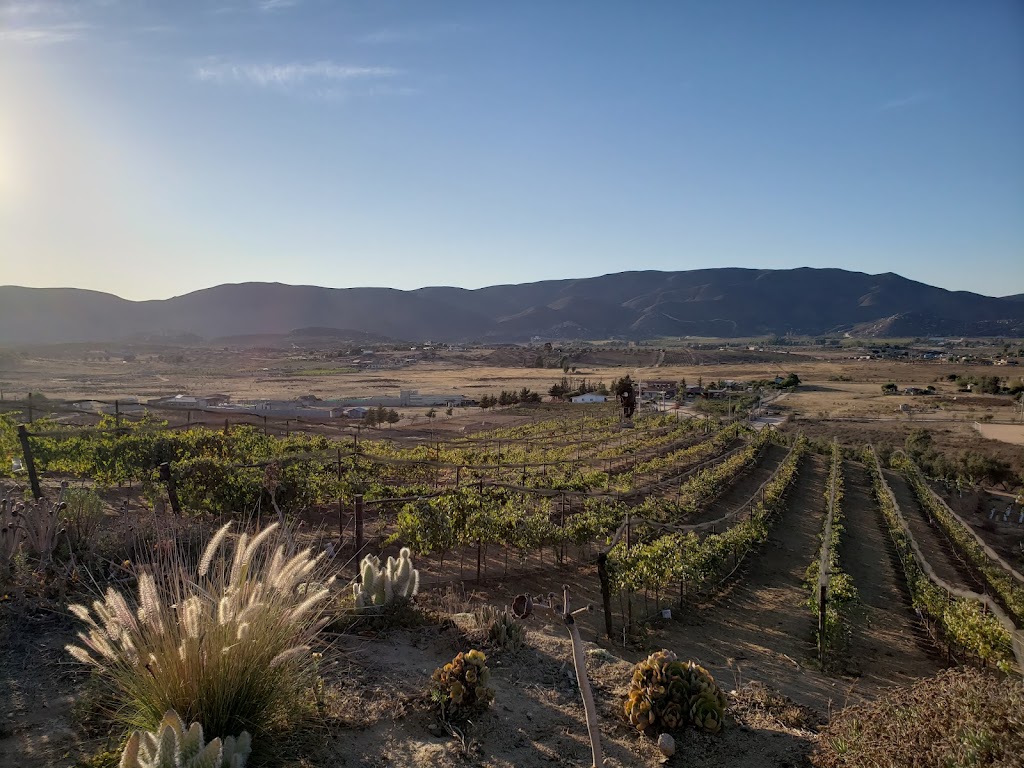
x: 590, y: 397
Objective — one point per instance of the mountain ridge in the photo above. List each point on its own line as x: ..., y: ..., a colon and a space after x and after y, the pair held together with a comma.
x: 722, y: 301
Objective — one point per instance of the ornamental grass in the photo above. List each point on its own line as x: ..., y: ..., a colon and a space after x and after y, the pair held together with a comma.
x: 224, y: 641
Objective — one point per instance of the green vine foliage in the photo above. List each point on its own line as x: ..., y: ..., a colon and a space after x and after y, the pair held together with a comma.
x: 842, y: 595
x: 692, y: 562
x: 1010, y: 591
x: 963, y: 622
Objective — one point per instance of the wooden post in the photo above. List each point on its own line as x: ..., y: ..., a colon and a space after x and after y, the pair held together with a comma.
x: 606, y: 593
x: 117, y: 413
x: 359, y: 524
x: 225, y: 426
x: 339, y: 464
x: 822, y: 597
x: 30, y: 419
x: 30, y: 464
x: 264, y: 426
x: 172, y: 491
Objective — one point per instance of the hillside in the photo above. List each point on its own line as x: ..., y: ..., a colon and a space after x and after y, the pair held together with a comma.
x: 709, y: 302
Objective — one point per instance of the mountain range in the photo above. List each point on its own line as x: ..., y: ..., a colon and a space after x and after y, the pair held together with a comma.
x: 721, y: 302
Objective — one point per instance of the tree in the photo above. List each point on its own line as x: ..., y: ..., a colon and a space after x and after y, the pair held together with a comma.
x: 432, y: 414
x: 448, y: 412
x: 393, y: 416
x: 889, y: 389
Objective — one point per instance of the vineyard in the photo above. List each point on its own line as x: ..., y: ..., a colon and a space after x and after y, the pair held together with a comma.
x: 764, y: 555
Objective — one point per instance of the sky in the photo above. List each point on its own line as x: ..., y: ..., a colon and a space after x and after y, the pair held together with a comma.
x: 150, y: 148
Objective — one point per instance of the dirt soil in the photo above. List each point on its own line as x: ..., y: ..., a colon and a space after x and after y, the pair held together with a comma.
x: 888, y: 644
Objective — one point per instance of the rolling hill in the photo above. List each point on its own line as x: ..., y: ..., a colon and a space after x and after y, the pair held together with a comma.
x: 708, y: 302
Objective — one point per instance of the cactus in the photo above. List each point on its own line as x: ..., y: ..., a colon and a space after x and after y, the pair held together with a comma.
x: 461, y: 685
x: 503, y: 630
x: 378, y: 587
x: 667, y: 694
x: 171, y: 746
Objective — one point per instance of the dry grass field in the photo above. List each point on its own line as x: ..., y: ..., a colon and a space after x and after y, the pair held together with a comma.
x: 840, y: 395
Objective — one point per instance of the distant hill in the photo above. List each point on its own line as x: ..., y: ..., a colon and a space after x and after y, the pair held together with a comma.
x: 707, y: 302
x: 1015, y: 297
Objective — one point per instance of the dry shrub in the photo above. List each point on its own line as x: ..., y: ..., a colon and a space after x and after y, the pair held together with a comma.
x: 223, y: 641
x: 960, y: 718
x: 757, y: 705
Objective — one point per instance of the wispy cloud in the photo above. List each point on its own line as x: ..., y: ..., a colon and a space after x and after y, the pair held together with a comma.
x: 393, y: 35
x: 48, y: 34
x: 289, y: 74
x: 276, y: 5
x: 910, y: 100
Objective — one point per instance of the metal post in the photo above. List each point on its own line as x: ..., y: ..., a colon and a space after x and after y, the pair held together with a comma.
x: 359, y: 523
x: 606, y: 593
x: 822, y: 597
x: 341, y: 522
x: 30, y: 464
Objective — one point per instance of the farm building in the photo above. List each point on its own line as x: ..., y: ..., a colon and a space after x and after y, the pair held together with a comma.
x: 589, y: 397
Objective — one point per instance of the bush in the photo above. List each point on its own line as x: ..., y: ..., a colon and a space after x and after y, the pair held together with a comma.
x: 961, y: 717
x: 223, y: 640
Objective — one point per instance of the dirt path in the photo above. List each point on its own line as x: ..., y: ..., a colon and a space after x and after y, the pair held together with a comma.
x: 745, y: 486
x: 762, y: 629
x: 888, y: 645
x: 933, y: 544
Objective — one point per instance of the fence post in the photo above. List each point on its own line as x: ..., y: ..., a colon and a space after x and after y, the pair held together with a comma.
x: 606, y: 594
x: 30, y: 419
x: 117, y: 413
x: 479, y: 551
x: 172, y: 491
x: 822, y: 599
x: 30, y: 463
x: 341, y: 522
x: 359, y: 524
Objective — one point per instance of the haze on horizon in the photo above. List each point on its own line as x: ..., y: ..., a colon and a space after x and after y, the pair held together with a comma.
x: 152, y: 149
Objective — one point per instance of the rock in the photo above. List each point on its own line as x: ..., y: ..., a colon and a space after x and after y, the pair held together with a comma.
x: 667, y: 745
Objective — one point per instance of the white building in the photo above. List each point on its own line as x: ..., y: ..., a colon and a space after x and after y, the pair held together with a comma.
x: 590, y: 397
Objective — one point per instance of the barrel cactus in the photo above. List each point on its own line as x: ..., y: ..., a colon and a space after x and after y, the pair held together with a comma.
x: 666, y: 694
x: 171, y: 746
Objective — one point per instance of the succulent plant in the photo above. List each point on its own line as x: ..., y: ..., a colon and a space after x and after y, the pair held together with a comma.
x: 461, y: 685
x: 379, y: 586
x: 666, y: 694
x: 171, y: 746
x: 503, y: 630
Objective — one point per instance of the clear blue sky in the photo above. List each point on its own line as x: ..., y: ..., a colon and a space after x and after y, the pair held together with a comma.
x: 151, y: 148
